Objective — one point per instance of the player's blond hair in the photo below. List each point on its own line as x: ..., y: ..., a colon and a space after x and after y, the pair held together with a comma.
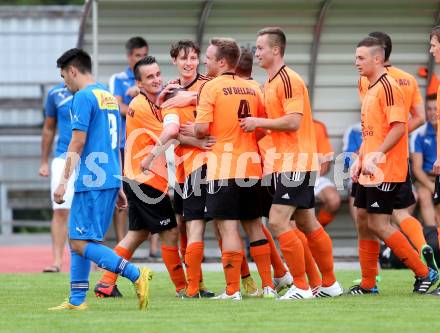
x: 228, y: 49
x: 277, y: 37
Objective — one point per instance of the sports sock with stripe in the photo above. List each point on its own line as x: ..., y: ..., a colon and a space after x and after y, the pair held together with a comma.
x: 110, y: 277
x: 312, y: 272
x: 193, y: 261
x: 231, y: 262
x: 368, y: 257
x: 79, y: 278
x: 260, y: 252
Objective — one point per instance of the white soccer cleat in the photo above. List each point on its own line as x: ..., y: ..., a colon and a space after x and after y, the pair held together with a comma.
x: 234, y: 297
x: 332, y: 291
x: 285, y: 281
x: 268, y: 292
x: 315, y: 290
x: 294, y: 293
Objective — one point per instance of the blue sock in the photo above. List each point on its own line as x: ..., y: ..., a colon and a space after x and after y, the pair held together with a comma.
x: 79, y: 278
x: 107, y: 259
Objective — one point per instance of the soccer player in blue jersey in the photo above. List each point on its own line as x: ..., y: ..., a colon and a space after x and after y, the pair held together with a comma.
x: 123, y: 86
x: 94, y: 151
x: 57, y: 119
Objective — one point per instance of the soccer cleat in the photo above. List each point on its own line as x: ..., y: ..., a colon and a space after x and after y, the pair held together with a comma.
x: 196, y: 295
x: 315, y: 290
x: 103, y: 290
x: 204, y: 292
x: 295, y: 293
x: 422, y: 284
x: 268, y: 292
x: 180, y: 293
x: 142, y: 286
x: 358, y: 290
x: 435, y: 292
x: 250, y: 287
x: 283, y: 282
x: 427, y: 256
x: 67, y: 306
x: 331, y: 291
x: 224, y: 296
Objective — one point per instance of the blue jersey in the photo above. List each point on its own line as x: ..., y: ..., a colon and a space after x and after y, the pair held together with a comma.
x: 96, y: 112
x: 58, y: 104
x: 119, y: 84
x: 351, y: 142
x: 424, y: 141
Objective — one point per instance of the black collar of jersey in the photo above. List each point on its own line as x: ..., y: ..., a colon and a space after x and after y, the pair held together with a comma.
x: 282, y: 67
x: 372, y: 85
x: 146, y: 97
x: 228, y: 73
x: 192, y: 83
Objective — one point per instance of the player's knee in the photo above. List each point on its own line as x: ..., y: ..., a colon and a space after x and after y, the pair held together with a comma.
x: 170, y: 237
x: 76, y: 246
x: 424, y: 196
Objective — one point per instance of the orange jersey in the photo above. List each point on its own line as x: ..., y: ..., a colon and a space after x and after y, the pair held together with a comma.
x: 222, y: 102
x: 264, y: 145
x: 323, y: 144
x: 143, y: 128
x: 407, y: 83
x: 187, y: 158
x: 285, y: 94
x: 382, y: 105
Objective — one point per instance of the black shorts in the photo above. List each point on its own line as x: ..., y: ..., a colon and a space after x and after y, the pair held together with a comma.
x: 436, y: 195
x: 177, y: 199
x: 234, y: 199
x: 354, y: 187
x: 194, y: 195
x: 405, y: 196
x: 267, y: 193
x: 151, y: 209
x: 295, y: 189
x: 377, y: 199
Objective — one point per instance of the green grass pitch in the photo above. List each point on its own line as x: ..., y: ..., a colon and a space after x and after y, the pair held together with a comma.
x: 24, y: 299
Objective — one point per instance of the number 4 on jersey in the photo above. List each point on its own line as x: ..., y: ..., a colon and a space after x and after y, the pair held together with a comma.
x: 244, y: 109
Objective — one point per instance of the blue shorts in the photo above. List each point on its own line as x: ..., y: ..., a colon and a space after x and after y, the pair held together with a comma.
x: 91, y: 214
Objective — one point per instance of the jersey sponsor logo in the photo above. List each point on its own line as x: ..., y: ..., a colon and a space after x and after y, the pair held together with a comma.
x: 106, y: 101
x: 239, y: 91
x: 404, y: 82
x: 165, y: 222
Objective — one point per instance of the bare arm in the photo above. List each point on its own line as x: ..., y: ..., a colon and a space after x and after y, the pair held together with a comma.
x: 420, y: 175
x: 47, y: 137
x: 287, y: 123
x: 417, y: 117
x: 201, y: 130
x: 123, y: 108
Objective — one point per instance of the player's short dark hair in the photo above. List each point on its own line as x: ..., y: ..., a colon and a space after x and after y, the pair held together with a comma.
x: 77, y: 58
x: 135, y: 43
x: 244, y: 66
x: 228, y: 49
x: 148, y: 60
x: 431, y: 97
x: 277, y: 37
x: 435, y: 32
x: 372, y: 42
x: 386, y: 41
x: 186, y: 45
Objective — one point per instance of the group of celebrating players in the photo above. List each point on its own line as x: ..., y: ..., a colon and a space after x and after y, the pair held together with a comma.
x: 242, y: 152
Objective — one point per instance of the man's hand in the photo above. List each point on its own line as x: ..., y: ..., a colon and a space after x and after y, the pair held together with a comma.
x: 369, y: 165
x: 436, y: 167
x: 58, y: 195
x: 44, y: 170
x: 121, y: 202
x: 249, y: 124
x: 132, y: 91
x: 187, y: 129
x: 165, y: 91
x: 182, y: 99
x: 207, y: 142
x: 146, y: 163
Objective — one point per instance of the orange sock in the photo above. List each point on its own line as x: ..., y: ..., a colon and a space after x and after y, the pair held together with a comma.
x: 368, y: 257
x: 231, y: 266
x: 244, y: 269
x: 261, y: 256
x: 183, y: 243
x: 293, y: 253
x: 320, y: 245
x: 279, y: 270
x: 193, y: 260
x: 398, y: 243
x: 110, y: 277
x: 312, y: 271
x: 412, y: 229
x: 324, y: 217
x: 170, y: 256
